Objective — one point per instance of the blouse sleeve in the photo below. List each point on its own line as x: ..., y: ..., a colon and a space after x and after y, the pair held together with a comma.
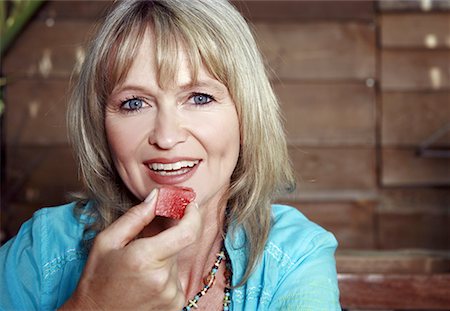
x: 20, y: 269
x: 311, y: 283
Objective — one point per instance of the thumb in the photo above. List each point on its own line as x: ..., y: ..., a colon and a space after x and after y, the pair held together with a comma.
x: 129, y: 225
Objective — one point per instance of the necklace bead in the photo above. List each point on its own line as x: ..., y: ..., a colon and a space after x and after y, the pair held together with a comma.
x: 210, y: 280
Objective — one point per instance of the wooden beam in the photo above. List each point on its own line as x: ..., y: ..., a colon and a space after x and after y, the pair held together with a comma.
x: 400, y: 292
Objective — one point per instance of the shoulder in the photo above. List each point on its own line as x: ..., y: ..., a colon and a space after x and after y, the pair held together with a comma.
x: 292, y: 238
x: 51, y: 234
x: 49, y: 223
x: 302, y: 252
x: 55, y: 213
x: 33, y: 262
x: 294, y: 234
x: 60, y: 233
x: 297, y: 266
x: 56, y: 226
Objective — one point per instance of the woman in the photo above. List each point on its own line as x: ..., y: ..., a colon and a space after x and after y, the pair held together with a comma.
x: 174, y: 93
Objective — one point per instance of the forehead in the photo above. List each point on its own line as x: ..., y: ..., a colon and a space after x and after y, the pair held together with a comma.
x: 164, y: 68
x: 145, y: 67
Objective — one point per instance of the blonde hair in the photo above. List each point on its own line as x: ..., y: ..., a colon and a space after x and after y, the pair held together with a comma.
x: 216, y: 36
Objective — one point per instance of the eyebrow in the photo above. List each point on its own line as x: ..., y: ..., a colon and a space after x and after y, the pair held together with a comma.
x: 209, y: 83
x: 219, y: 87
x: 130, y: 87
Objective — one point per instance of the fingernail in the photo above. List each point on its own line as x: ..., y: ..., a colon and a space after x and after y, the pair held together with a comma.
x: 151, y: 196
x: 196, y: 205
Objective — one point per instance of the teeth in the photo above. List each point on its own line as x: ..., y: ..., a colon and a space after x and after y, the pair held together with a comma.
x: 172, y: 166
x: 171, y: 173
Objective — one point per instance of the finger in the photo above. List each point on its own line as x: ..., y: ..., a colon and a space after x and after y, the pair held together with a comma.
x: 180, y: 299
x: 129, y: 225
x: 173, y: 291
x: 176, y: 238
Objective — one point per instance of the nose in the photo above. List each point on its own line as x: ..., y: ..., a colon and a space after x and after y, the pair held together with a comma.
x: 167, y: 130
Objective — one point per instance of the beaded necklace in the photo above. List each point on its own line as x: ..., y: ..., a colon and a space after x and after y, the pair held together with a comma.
x: 209, y: 281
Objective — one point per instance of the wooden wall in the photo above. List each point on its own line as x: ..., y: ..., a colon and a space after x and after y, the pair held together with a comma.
x: 362, y: 85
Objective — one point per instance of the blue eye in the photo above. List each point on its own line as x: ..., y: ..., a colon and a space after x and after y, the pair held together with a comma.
x: 132, y: 104
x: 202, y: 99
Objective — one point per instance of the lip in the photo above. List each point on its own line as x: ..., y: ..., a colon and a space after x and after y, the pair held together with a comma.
x: 171, y: 179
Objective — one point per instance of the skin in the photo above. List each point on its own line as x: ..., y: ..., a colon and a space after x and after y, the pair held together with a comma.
x: 124, y: 273
x: 164, y: 267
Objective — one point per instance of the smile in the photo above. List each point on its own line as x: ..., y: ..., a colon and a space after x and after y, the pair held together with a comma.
x: 171, y: 169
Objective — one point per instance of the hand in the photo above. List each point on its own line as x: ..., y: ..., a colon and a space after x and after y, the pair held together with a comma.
x: 125, y: 273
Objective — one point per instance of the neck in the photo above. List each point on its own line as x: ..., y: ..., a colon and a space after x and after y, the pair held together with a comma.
x: 195, y: 262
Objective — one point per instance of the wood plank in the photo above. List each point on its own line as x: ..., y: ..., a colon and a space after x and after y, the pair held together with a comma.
x: 420, y: 200
x: 414, y: 217
x: 73, y: 9
x: 420, y: 261
x: 40, y: 175
x: 337, y: 169
x: 330, y: 195
x: 47, y: 51
x: 408, y: 119
x: 306, y: 10
x: 399, y: 292
x: 413, y: 5
x: 352, y: 223
x: 38, y: 115
x: 415, y: 30
x: 415, y: 70
x: 331, y: 114
x: 414, y: 229
x: 308, y: 51
x: 253, y: 10
x: 402, y: 167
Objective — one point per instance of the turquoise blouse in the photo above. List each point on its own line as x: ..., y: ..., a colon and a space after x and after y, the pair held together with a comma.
x: 41, y: 266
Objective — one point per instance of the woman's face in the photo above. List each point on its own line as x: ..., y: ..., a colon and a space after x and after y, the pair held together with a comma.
x: 185, y: 135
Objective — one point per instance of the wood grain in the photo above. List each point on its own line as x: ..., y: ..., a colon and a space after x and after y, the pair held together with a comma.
x: 431, y: 30
x: 38, y: 115
x: 306, y: 10
x: 418, y: 261
x: 411, y: 70
x: 74, y: 10
x: 399, y: 292
x: 413, y: 229
x: 48, y: 51
x: 328, y: 114
x: 417, y: 199
x: 413, y: 5
x: 410, y: 118
x: 41, y: 175
x: 402, y: 167
x: 321, y: 50
x: 252, y: 10
x: 337, y: 169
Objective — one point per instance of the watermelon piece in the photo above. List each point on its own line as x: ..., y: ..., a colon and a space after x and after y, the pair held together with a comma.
x: 172, y: 201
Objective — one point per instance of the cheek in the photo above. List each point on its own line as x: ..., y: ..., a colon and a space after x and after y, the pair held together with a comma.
x: 122, y: 139
x: 224, y: 138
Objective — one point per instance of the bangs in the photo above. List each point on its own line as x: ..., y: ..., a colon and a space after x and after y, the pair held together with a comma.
x: 173, y: 36
x: 119, y: 59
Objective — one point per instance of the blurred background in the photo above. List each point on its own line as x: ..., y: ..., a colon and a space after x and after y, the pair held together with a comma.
x: 365, y: 91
